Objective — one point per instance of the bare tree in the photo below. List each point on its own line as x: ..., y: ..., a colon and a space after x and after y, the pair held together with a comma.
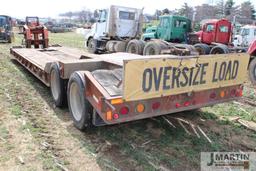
x: 186, y: 11
x: 247, y: 10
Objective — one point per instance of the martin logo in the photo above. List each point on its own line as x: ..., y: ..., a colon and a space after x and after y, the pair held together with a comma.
x: 221, y: 161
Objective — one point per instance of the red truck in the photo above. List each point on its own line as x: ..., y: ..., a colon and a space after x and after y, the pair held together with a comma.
x: 252, y: 63
x: 215, y: 38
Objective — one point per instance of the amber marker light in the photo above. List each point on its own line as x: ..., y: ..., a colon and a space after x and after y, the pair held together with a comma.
x: 222, y: 94
x: 140, y: 108
x: 109, y: 115
x: 117, y: 101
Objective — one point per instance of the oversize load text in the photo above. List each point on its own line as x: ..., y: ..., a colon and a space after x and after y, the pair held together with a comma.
x: 168, y: 77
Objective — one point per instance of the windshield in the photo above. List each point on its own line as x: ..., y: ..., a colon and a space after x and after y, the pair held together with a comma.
x: 209, y: 27
x: 2, y: 21
x: 180, y: 24
x: 126, y: 15
x: 245, y: 32
x: 224, y: 29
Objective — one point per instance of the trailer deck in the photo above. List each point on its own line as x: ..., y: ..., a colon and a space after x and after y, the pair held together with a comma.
x: 123, y: 87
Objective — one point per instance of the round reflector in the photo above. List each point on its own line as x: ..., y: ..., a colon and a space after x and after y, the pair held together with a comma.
x: 213, y: 95
x: 124, y: 110
x: 177, y: 105
x: 187, y: 103
x: 115, y: 116
x: 155, y: 105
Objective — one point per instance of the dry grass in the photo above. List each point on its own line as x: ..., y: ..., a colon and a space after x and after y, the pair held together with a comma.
x: 27, y: 111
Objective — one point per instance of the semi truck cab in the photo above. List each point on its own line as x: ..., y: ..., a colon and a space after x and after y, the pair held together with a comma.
x: 171, y: 28
x: 217, y: 31
x: 115, y: 23
x: 6, y: 33
x: 246, y: 37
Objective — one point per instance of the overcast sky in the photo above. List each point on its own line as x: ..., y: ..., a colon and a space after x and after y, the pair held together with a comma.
x: 51, y: 8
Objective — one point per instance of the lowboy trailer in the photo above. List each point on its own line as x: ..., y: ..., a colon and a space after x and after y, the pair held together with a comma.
x: 120, y: 87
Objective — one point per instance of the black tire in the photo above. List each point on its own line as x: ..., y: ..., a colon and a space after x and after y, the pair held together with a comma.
x: 219, y: 50
x: 120, y: 46
x: 57, y: 86
x: 79, y: 107
x: 252, y: 71
x: 135, y: 46
x: 207, y: 49
x: 202, y: 49
x: 9, y: 39
x: 152, y: 48
x: 91, y: 46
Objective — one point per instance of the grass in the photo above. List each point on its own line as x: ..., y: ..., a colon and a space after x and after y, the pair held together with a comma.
x: 167, y: 147
x: 67, y: 39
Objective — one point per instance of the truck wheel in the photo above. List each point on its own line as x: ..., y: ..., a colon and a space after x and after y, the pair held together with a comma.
x: 79, y: 107
x: 135, y: 46
x: 9, y: 39
x: 120, y: 46
x: 219, y: 50
x: 252, y: 71
x: 202, y: 49
x: 152, y: 48
x: 57, y: 86
x: 91, y: 46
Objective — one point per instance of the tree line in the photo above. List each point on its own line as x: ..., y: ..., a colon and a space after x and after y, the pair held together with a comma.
x: 243, y: 13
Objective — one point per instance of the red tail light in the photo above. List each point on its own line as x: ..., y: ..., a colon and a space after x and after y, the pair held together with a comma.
x: 177, y: 105
x: 233, y: 92
x: 155, y: 105
x: 239, y: 93
x: 187, y: 103
x: 213, y: 95
x: 124, y: 110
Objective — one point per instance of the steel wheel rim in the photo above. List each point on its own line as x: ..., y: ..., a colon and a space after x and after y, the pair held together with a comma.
x: 91, y: 44
x: 76, y: 102
x: 133, y: 49
x: 55, y: 85
x: 200, y: 51
x: 151, y: 51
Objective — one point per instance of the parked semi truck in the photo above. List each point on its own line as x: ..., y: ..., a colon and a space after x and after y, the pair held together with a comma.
x: 119, y: 30
x: 116, y: 28
x: 246, y: 37
x: 252, y: 63
x: 6, y: 33
x: 171, y: 28
x: 120, y: 87
x: 216, y: 38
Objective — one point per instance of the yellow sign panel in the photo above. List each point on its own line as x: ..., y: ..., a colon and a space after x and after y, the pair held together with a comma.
x: 156, y: 77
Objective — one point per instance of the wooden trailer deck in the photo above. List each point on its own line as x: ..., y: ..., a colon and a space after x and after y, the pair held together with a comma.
x: 107, y: 69
x: 39, y: 61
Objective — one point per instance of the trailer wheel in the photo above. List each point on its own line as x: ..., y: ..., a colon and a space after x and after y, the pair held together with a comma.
x: 91, y: 46
x: 152, y: 48
x: 57, y: 86
x: 135, y: 46
x: 79, y: 107
x: 219, y: 50
x: 202, y: 49
x: 252, y: 71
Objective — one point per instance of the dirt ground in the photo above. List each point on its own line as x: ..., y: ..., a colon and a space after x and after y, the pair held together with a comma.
x: 35, y: 135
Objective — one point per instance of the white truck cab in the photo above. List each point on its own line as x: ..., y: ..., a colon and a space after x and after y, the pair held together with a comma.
x: 116, y: 24
x: 246, y: 37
